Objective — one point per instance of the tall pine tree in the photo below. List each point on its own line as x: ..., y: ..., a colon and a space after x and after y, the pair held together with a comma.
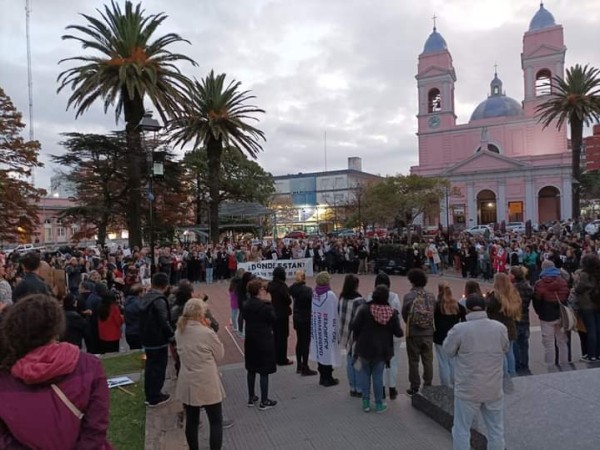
x: 18, y: 157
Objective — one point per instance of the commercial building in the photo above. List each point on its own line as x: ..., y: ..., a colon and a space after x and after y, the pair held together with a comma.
x: 318, y: 201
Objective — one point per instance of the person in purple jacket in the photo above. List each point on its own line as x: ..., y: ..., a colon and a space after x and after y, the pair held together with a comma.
x: 53, y: 396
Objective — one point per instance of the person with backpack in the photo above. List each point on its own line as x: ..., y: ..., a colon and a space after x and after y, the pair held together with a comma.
x: 156, y: 333
x: 418, y: 314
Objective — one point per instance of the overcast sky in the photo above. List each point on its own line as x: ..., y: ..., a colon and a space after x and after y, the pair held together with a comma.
x: 346, y: 67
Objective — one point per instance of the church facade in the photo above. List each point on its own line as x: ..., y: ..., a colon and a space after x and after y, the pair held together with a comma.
x: 502, y: 165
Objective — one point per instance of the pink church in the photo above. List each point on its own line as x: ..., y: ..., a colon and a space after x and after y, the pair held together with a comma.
x: 501, y: 164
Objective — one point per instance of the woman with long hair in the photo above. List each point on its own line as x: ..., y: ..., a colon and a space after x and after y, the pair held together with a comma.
x: 349, y: 302
x: 504, y: 305
x: 110, y: 321
x: 259, y: 345
x: 199, y: 384
x: 587, y: 303
x: 45, y: 383
x: 447, y: 313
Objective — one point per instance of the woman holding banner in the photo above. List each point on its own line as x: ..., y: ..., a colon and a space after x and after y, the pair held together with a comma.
x: 324, y: 330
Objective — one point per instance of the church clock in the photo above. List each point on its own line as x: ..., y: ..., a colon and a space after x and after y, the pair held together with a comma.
x: 434, y: 121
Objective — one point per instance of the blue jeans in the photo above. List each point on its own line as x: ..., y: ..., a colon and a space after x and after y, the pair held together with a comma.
x: 433, y: 266
x: 509, y: 361
x: 521, y: 347
x: 209, y: 275
x: 464, y: 415
x: 234, y: 319
x: 353, y: 375
x: 446, y: 366
x: 372, y: 370
x: 591, y: 319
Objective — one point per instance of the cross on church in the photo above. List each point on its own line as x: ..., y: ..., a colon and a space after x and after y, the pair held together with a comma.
x: 495, y: 69
x: 434, y: 18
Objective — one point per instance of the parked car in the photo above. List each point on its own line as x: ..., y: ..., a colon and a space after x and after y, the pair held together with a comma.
x: 347, y: 232
x: 298, y: 234
x: 478, y: 230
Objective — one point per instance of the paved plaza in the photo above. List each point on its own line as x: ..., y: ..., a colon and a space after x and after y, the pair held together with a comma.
x: 309, y: 416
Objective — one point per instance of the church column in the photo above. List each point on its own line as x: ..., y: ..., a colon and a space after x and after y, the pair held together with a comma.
x: 529, y: 83
x: 471, y: 206
x: 566, y: 199
x: 530, y: 213
x: 445, y: 97
x: 501, y: 201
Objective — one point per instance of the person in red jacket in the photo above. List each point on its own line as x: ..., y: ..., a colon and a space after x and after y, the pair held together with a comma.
x: 550, y: 289
x: 54, y: 396
x: 110, y: 321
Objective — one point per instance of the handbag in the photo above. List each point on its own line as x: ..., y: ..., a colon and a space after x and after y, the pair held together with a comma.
x: 568, y: 319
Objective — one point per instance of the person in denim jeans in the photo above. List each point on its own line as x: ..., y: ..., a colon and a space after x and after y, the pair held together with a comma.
x: 373, y: 327
x: 448, y: 312
x: 349, y: 302
x: 479, y: 346
x: 504, y: 305
x: 521, y: 347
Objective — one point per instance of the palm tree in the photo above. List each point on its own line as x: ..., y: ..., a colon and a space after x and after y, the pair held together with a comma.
x: 576, y: 99
x: 215, y: 117
x: 130, y: 65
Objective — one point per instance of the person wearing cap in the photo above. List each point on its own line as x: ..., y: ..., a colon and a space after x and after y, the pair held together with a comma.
x: 550, y: 289
x: 479, y: 346
x: 324, y: 330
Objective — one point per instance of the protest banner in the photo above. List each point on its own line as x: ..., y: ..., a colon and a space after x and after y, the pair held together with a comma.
x: 264, y: 269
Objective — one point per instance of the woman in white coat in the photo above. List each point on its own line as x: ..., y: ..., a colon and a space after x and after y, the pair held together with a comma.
x: 199, y: 384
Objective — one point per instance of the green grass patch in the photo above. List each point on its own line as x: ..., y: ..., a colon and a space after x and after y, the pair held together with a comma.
x: 127, y: 418
x: 124, y: 364
x: 127, y: 409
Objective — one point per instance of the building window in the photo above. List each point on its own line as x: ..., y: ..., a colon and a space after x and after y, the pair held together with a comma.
x: 47, y: 234
x: 434, y: 101
x: 338, y: 198
x: 543, y: 83
x: 61, y: 232
x: 515, y: 211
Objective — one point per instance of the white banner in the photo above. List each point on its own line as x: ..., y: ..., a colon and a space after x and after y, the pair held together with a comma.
x: 264, y: 269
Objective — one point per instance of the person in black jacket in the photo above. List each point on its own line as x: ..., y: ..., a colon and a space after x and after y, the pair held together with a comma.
x: 447, y: 313
x: 132, y: 313
x: 31, y: 283
x: 156, y: 334
x: 280, y: 297
x: 75, y: 323
x: 302, y: 295
x: 374, y: 326
x: 259, y: 345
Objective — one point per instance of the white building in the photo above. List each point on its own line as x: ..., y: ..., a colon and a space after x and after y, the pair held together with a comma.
x: 313, y: 201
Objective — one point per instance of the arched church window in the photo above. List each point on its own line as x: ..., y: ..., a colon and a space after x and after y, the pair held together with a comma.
x: 542, y: 83
x: 491, y: 148
x: 434, y: 101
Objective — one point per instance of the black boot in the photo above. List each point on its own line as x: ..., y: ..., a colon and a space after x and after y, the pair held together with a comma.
x: 393, y: 393
x: 383, y: 396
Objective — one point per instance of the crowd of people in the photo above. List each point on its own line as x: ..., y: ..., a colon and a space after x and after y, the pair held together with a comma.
x: 108, y: 296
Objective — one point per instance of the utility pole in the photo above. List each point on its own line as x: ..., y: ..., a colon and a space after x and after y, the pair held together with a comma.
x: 29, y: 77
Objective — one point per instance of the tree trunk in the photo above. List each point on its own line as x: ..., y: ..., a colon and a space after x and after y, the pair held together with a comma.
x: 576, y: 141
x: 134, y: 112
x: 215, y: 151
x: 102, y: 230
x: 199, y: 202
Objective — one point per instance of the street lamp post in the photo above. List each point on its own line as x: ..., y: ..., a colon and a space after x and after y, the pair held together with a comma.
x: 155, y: 168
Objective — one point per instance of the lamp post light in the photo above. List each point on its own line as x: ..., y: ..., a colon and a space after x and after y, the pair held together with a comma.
x: 155, y: 169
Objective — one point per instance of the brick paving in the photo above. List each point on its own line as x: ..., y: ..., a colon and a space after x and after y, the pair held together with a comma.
x: 309, y: 416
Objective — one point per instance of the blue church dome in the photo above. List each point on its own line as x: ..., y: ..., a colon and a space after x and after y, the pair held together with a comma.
x: 542, y: 19
x: 497, y: 104
x: 435, y: 43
